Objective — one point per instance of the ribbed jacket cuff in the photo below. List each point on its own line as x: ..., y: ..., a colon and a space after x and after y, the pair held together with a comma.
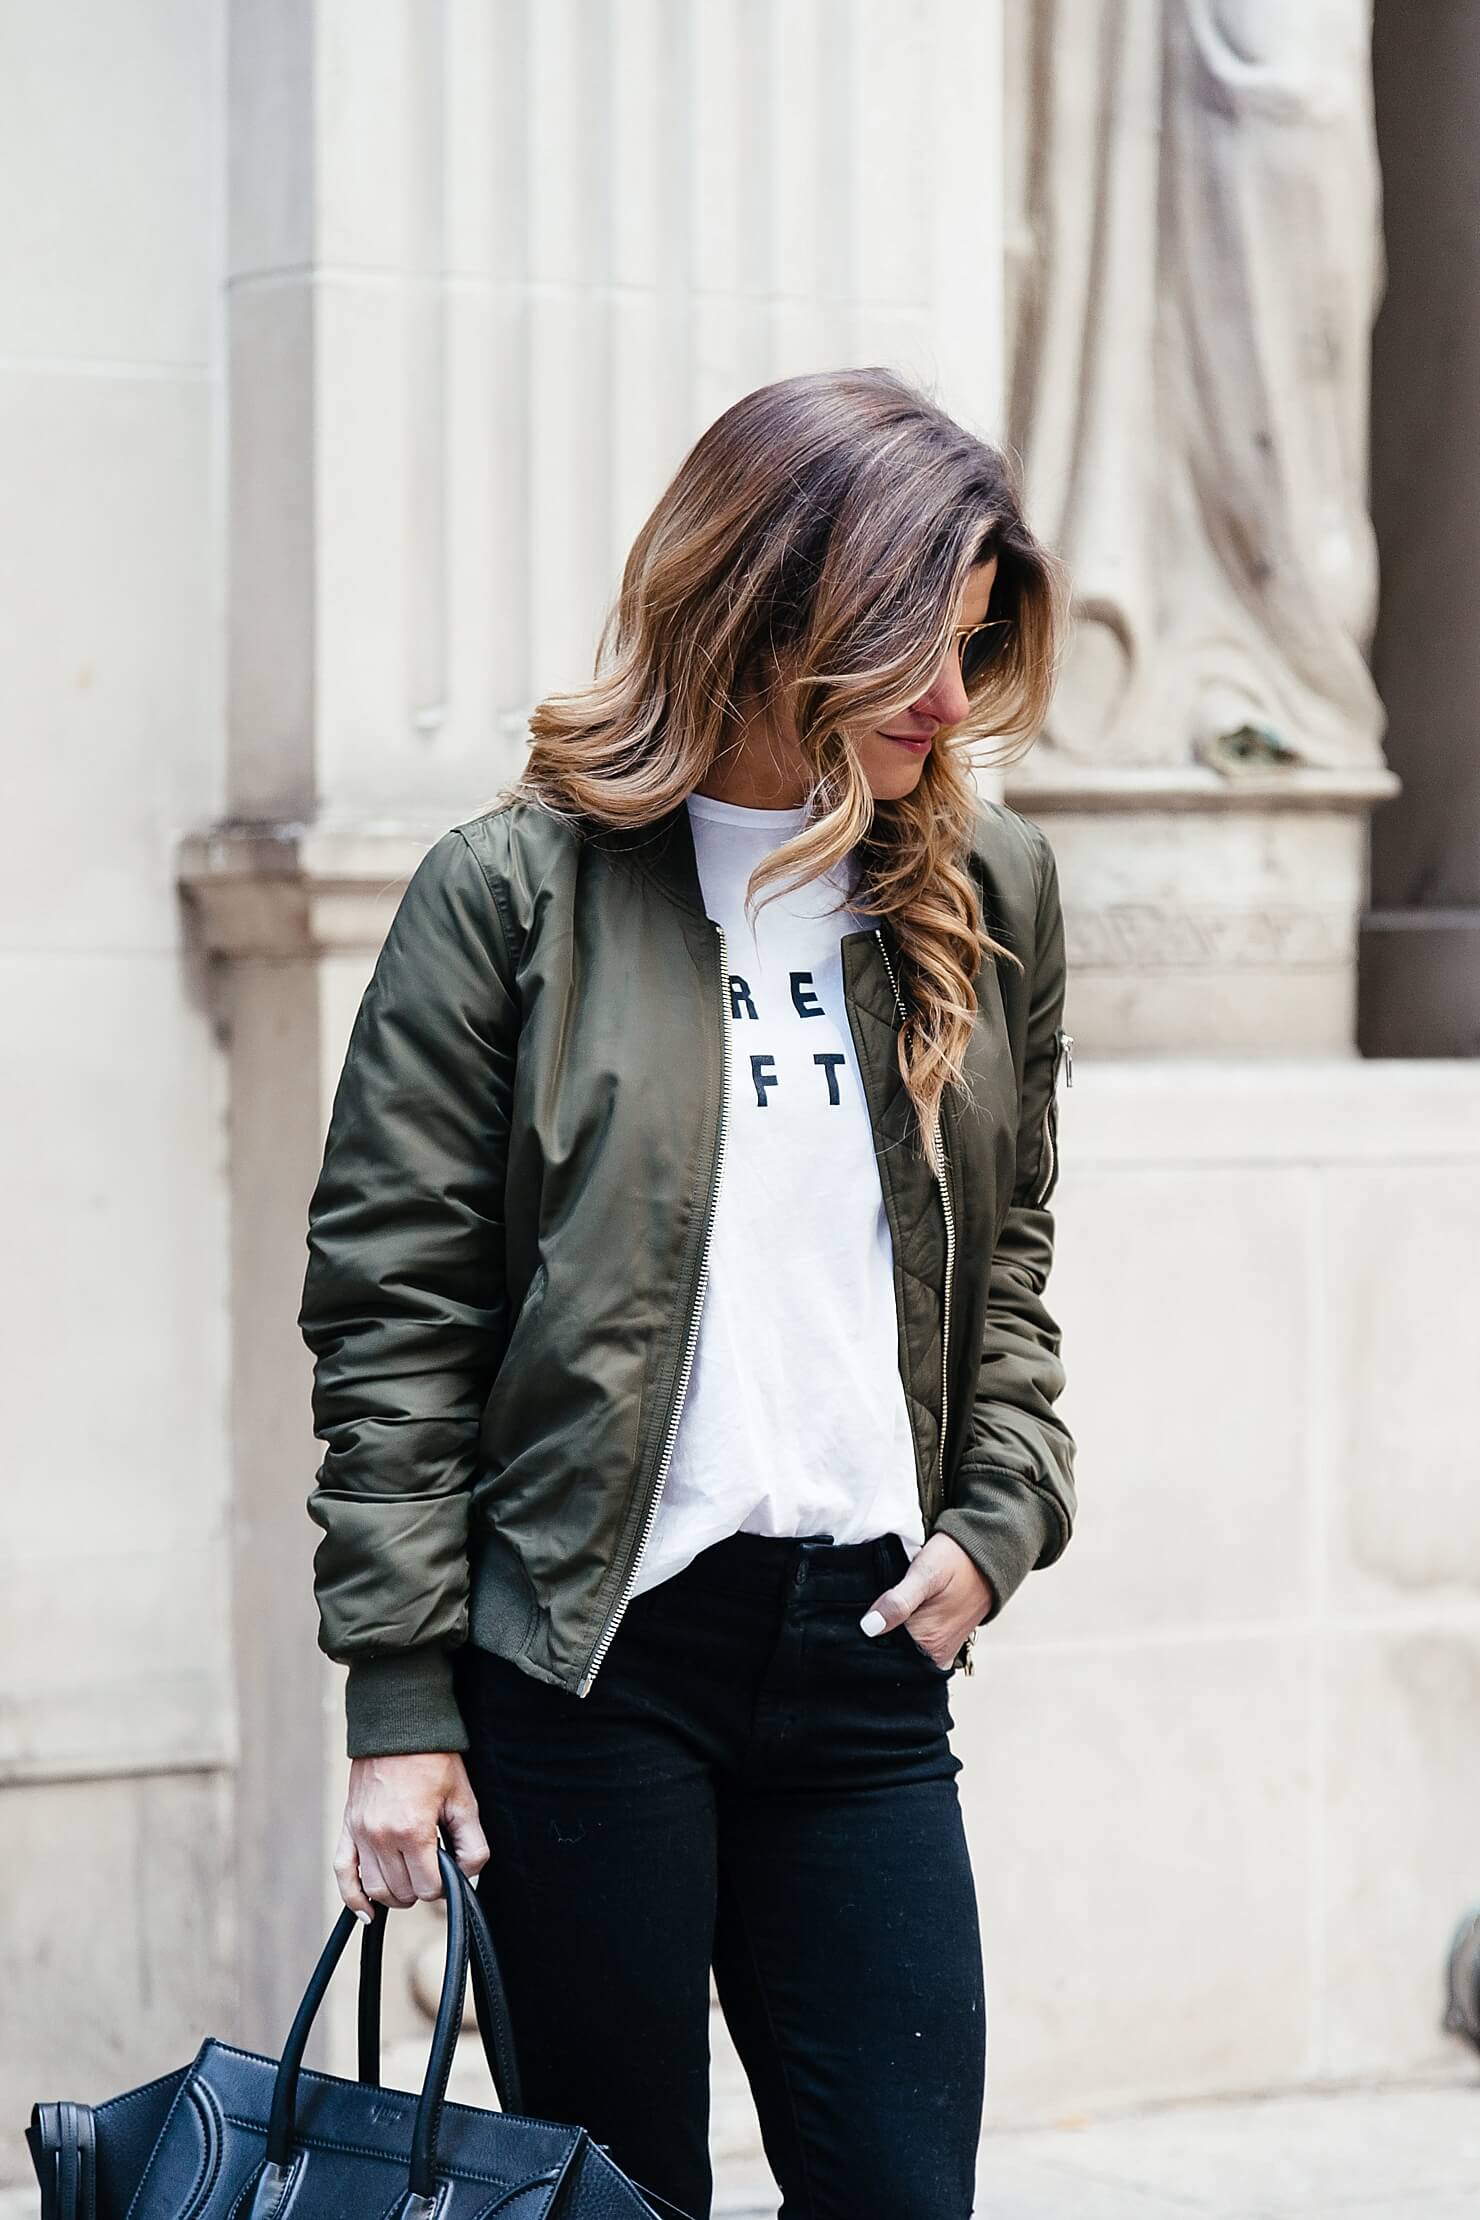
x: 401, y: 1702
x: 1004, y: 1531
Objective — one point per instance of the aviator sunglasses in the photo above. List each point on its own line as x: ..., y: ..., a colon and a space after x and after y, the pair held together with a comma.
x: 978, y: 646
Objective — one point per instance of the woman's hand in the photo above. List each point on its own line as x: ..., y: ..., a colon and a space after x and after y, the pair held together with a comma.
x: 940, y: 1597
x: 388, y: 1844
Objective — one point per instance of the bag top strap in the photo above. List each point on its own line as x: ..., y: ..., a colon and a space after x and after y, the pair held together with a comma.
x: 495, y: 2026
x: 63, y: 2144
x: 463, y: 1913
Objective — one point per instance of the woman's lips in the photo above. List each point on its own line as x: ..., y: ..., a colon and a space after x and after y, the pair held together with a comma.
x: 916, y: 747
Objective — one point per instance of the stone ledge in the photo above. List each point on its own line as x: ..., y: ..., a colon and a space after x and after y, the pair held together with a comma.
x: 283, y: 888
x: 1083, y: 788
x: 1205, y: 915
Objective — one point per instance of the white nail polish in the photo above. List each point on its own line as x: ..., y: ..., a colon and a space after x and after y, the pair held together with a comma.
x: 873, y: 1622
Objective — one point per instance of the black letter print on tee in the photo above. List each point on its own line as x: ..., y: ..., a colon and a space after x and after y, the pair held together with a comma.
x: 763, y: 1073
x: 804, y: 996
x: 831, y: 1061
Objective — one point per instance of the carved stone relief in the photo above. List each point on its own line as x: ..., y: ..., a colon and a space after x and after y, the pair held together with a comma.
x: 1194, y: 263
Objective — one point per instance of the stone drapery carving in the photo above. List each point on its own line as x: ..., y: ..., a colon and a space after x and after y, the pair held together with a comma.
x: 1195, y: 260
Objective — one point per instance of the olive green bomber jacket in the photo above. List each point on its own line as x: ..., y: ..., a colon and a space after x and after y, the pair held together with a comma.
x: 507, y: 1242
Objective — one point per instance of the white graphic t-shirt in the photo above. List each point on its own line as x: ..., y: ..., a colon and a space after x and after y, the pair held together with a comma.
x: 794, y: 1420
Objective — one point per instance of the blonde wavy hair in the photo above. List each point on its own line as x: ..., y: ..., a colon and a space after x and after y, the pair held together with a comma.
x: 807, y: 563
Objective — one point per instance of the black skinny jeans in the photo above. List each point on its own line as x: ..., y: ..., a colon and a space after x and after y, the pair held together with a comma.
x: 753, y: 1783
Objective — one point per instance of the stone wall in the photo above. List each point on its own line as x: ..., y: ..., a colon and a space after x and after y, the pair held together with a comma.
x: 117, y: 1726
x: 1219, y: 1761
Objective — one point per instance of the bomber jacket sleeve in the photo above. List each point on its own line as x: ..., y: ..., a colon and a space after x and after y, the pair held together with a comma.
x: 404, y: 1304
x: 1013, y: 1503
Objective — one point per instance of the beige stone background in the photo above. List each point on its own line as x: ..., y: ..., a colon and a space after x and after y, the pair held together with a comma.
x: 342, y: 349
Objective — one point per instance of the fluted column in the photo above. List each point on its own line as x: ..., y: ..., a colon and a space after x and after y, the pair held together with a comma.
x: 494, y: 268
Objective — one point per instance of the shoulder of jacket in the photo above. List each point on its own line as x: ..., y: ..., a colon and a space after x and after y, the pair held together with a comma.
x: 520, y: 844
x: 1014, y: 853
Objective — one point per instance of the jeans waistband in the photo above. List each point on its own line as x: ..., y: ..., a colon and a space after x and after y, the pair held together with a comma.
x: 766, y: 1562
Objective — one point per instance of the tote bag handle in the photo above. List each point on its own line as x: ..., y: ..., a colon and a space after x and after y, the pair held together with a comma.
x: 489, y: 1999
x: 464, y: 1916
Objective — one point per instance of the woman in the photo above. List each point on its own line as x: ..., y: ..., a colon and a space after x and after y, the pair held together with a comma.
x: 688, y: 1404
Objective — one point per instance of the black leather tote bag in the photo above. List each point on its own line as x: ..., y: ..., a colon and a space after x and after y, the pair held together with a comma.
x: 234, y: 2136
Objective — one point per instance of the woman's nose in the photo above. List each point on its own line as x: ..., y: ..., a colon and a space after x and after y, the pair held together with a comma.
x: 947, y: 699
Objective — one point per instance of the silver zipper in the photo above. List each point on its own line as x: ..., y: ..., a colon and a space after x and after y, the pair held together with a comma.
x: 945, y: 1318
x: 938, y: 1166
x: 604, y: 1640
x: 1063, y: 1053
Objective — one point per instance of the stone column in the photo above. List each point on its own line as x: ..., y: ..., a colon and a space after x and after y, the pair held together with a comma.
x: 1420, y: 969
x: 492, y: 268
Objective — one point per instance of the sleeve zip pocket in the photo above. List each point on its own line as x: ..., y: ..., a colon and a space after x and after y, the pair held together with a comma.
x: 1048, y: 1154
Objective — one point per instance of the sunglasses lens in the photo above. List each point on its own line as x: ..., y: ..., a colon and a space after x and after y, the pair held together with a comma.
x: 978, y: 650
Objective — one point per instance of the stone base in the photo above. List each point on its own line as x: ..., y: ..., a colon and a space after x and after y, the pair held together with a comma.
x: 1219, y: 1775
x: 1420, y: 983
x: 1206, y: 914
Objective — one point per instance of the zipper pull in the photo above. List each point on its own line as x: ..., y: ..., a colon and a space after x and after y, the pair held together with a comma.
x: 1068, y: 1047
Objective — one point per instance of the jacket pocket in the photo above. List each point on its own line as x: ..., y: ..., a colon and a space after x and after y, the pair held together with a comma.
x: 1048, y: 1153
